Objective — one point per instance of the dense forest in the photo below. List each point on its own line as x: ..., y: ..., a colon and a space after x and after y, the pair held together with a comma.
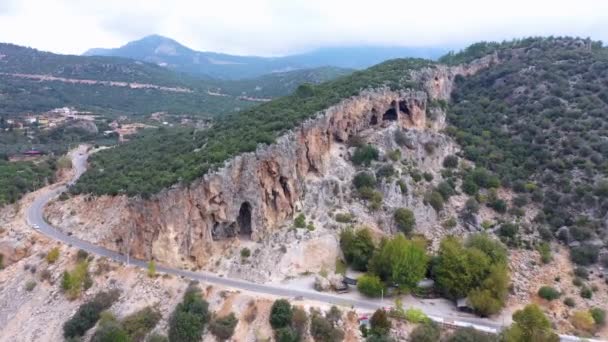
x: 149, y: 163
x: 539, y: 120
x: 18, y: 178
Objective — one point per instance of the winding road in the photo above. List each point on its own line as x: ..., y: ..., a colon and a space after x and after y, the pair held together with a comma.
x: 35, y: 218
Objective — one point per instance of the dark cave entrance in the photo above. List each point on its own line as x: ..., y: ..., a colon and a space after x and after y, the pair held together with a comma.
x: 374, y: 120
x: 403, y: 108
x: 390, y: 115
x: 244, y: 220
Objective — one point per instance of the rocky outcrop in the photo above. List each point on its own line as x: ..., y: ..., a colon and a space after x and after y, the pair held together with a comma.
x: 254, y: 192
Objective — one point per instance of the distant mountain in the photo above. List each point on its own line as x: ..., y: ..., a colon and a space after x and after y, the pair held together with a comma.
x: 37, y: 81
x: 171, y: 54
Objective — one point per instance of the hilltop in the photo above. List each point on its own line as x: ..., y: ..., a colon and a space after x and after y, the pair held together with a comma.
x: 173, y: 55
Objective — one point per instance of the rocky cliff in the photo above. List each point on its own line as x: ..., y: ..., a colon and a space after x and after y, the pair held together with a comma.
x: 255, y: 192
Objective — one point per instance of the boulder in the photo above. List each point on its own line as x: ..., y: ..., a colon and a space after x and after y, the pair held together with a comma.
x: 322, y: 284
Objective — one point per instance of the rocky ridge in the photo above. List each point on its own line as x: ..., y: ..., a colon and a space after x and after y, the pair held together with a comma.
x: 254, y: 193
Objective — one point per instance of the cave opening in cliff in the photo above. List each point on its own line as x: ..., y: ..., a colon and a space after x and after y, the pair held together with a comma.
x: 390, y: 115
x: 374, y: 120
x: 403, y: 108
x: 244, y: 220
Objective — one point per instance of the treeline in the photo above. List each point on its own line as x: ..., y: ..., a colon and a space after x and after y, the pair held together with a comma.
x: 19, y: 178
x: 539, y: 120
x: 156, y: 161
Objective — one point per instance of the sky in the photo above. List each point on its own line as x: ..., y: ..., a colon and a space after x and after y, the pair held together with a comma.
x: 279, y: 27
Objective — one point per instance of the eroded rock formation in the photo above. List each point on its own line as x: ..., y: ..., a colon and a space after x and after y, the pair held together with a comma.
x: 254, y: 192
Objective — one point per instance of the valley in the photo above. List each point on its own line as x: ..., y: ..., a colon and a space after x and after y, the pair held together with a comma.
x: 467, y: 192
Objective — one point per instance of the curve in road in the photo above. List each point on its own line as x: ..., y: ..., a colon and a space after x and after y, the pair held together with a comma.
x: 35, y: 218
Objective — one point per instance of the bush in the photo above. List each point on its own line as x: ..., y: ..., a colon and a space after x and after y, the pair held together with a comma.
x: 321, y: 329
x: 402, y: 186
x: 599, y: 316
x: 545, y: 252
x: 286, y: 334
x: 581, y: 272
x: 405, y: 220
x: 583, y: 320
x: 428, y: 332
x: 52, y: 255
x: 370, y: 285
x: 414, y: 315
x: 446, y: 190
x: 471, y: 335
x: 435, y: 199
x: 380, y: 323
x: 189, y: 317
x: 586, y: 292
x: 427, y: 176
x: 110, y: 331
x: 548, y: 293
x: 584, y: 255
x: 385, y: 171
x: 79, y: 279
x: 569, y: 301
x: 300, y: 221
x: 508, y: 230
x: 364, y: 180
x: 88, y: 313
x: 245, y: 252
x: 344, y: 218
x: 223, y: 328
x: 299, y: 320
x: 30, y: 285
x: 151, y: 269
x: 365, y: 155
x: 357, y: 247
x: 138, y: 324
x: 281, y: 314
x: 157, y: 338
x: 402, y: 139
x: 450, y: 162
x: 82, y: 255
x: 394, y: 155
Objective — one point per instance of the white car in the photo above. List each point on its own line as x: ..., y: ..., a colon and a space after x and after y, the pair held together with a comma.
x: 36, y: 226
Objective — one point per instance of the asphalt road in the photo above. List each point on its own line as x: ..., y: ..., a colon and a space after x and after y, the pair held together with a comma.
x: 35, y: 218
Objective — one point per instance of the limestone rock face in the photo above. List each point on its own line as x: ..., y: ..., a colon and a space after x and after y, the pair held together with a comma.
x: 253, y: 193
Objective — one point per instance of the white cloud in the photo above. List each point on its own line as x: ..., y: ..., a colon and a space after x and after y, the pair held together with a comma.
x: 281, y: 26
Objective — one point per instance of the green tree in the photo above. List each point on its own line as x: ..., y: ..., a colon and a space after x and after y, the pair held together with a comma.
x: 426, y: 332
x: 370, y: 285
x: 358, y: 247
x: 189, y: 317
x: 405, y: 220
x: 151, y: 269
x: 530, y: 325
x: 380, y: 323
x: 281, y: 314
x: 322, y: 330
x: 223, y: 327
x: 364, y: 155
x: 400, y: 261
x: 471, y: 335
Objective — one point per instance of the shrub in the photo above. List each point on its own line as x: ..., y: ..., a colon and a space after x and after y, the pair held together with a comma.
x: 599, y: 316
x: 581, y: 272
x: 245, y: 252
x: 286, y: 334
x: 449, y: 223
x: 450, y: 162
x: 223, y: 328
x: 321, y: 329
x: 370, y: 285
x: 72, y: 283
x: 508, y: 230
x: 385, y: 171
x: 471, y: 335
x: 427, y: 176
x: 157, y: 338
x: 88, y: 313
x: 428, y: 332
x: 446, y: 190
x: 435, y: 199
x: 569, y: 301
x: 365, y: 155
x: 81, y: 255
x: 281, y: 314
x: 357, y: 247
x: 138, y: 324
x: 110, y: 331
x: 402, y: 139
x: 548, y: 293
x: 545, y: 252
x: 402, y: 186
x: 394, y: 155
x: 416, y: 176
x: 380, y: 323
x: 584, y: 255
x: 151, y: 269
x: 189, y: 317
x: 414, y: 315
x: 405, y: 220
x: 300, y: 221
x: 299, y: 320
x: 364, y: 180
x: 30, y: 285
x: 344, y: 217
x: 1, y: 261
x: 52, y: 255
x: 469, y: 187
x: 586, y: 292
x: 583, y: 320
x: 499, y: 205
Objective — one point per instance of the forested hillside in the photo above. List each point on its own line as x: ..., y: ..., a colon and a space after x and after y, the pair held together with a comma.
x: 154, y: 161
x: 539, y: 120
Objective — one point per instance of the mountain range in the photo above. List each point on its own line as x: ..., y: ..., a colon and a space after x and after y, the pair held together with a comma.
x: 173, y: 55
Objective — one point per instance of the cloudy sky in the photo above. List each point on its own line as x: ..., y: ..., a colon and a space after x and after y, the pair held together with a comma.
x: 275, y: 27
